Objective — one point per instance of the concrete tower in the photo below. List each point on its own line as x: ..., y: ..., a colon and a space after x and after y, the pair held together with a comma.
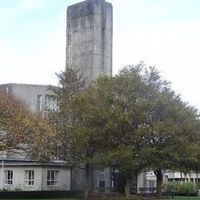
x: 89, y: 38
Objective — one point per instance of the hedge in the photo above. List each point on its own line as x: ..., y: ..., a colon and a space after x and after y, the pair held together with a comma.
x: 39, y: 194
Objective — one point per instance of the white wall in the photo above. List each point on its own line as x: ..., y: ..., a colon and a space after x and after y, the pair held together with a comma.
x: 64, y: 179
x: 40, y: 178
x: 19, y: 178
x: 178, y: 175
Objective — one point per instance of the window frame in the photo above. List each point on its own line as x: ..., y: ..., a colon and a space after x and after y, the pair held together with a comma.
x: 50, y: 103
x: 52, y: 178
x: 102, y: 174
x: 8, y: 177
x: 29, y: 177
x: 39, y: 103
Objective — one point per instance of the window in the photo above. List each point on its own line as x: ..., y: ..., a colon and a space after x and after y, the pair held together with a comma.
x: 50, y: 103
x: 52, y: 177
x: 39, y: 103
x: 102, y: 180
x: 151, y: 183
x: 7, y: 89
x: 8, y: 177
x: 102, y: 186
x: 29, y: 177
x: 102, y: 174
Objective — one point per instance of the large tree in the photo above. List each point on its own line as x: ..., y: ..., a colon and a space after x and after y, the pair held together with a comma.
x: 13, y: 121
x: 163, y: 127
x: 140, y: 123
x: 72, y: 141
x: 133, y: 120
x: 171, y: 131
x: 22, y: 130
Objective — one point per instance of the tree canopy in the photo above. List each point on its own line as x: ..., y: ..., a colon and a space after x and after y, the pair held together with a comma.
x: 133, y: 120
x: 22, y: 130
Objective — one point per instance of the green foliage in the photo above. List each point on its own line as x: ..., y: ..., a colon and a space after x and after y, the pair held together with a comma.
x: 20, y: 129
x: 66, y: 117
x: 4, y: 190
x: 133, y: 121
x: 181, y: 187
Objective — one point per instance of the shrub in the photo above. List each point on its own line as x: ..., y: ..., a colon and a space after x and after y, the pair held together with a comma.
x: 181, y: 187
x: 198, y: 186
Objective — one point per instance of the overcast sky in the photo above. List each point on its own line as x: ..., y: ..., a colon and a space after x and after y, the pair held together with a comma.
x: 162, y: 33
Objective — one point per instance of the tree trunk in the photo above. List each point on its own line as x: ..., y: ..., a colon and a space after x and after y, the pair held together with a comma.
x: 197, y: 178
x: 128, y: 186
x: 185, y: 176
x: 189, y: 177
x: 159, y: 177
x: 181, y: 173
x: 87, y: 188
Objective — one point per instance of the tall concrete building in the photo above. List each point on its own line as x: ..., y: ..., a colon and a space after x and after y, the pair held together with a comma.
x: 89, y: 38
x: 89, y: 49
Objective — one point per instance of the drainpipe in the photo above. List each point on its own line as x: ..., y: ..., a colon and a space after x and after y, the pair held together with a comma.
x: 2, y: 170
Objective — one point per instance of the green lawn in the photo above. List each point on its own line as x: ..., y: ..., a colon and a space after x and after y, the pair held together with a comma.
x: 175, y: 198
x: 187, y: 198
x: 43, y: 199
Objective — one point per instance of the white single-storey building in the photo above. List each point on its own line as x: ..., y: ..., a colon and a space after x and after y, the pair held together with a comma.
x: 28, y: 175
x: 20, y: 173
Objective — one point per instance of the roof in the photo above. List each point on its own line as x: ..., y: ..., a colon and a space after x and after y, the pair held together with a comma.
x: 23, y: 84
x: 31, y: 163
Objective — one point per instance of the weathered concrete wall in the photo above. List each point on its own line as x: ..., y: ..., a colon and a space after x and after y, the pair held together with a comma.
x: 103, y: 175
x: 96, y: 176
x: 89, y: 49
x: 28, y: 94
x: 89, y: 38
x: 77, y: 179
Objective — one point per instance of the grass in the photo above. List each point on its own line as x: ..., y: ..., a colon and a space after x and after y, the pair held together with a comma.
x: 187, y: 198
x: 43, y: 199
x: 175, y: 198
